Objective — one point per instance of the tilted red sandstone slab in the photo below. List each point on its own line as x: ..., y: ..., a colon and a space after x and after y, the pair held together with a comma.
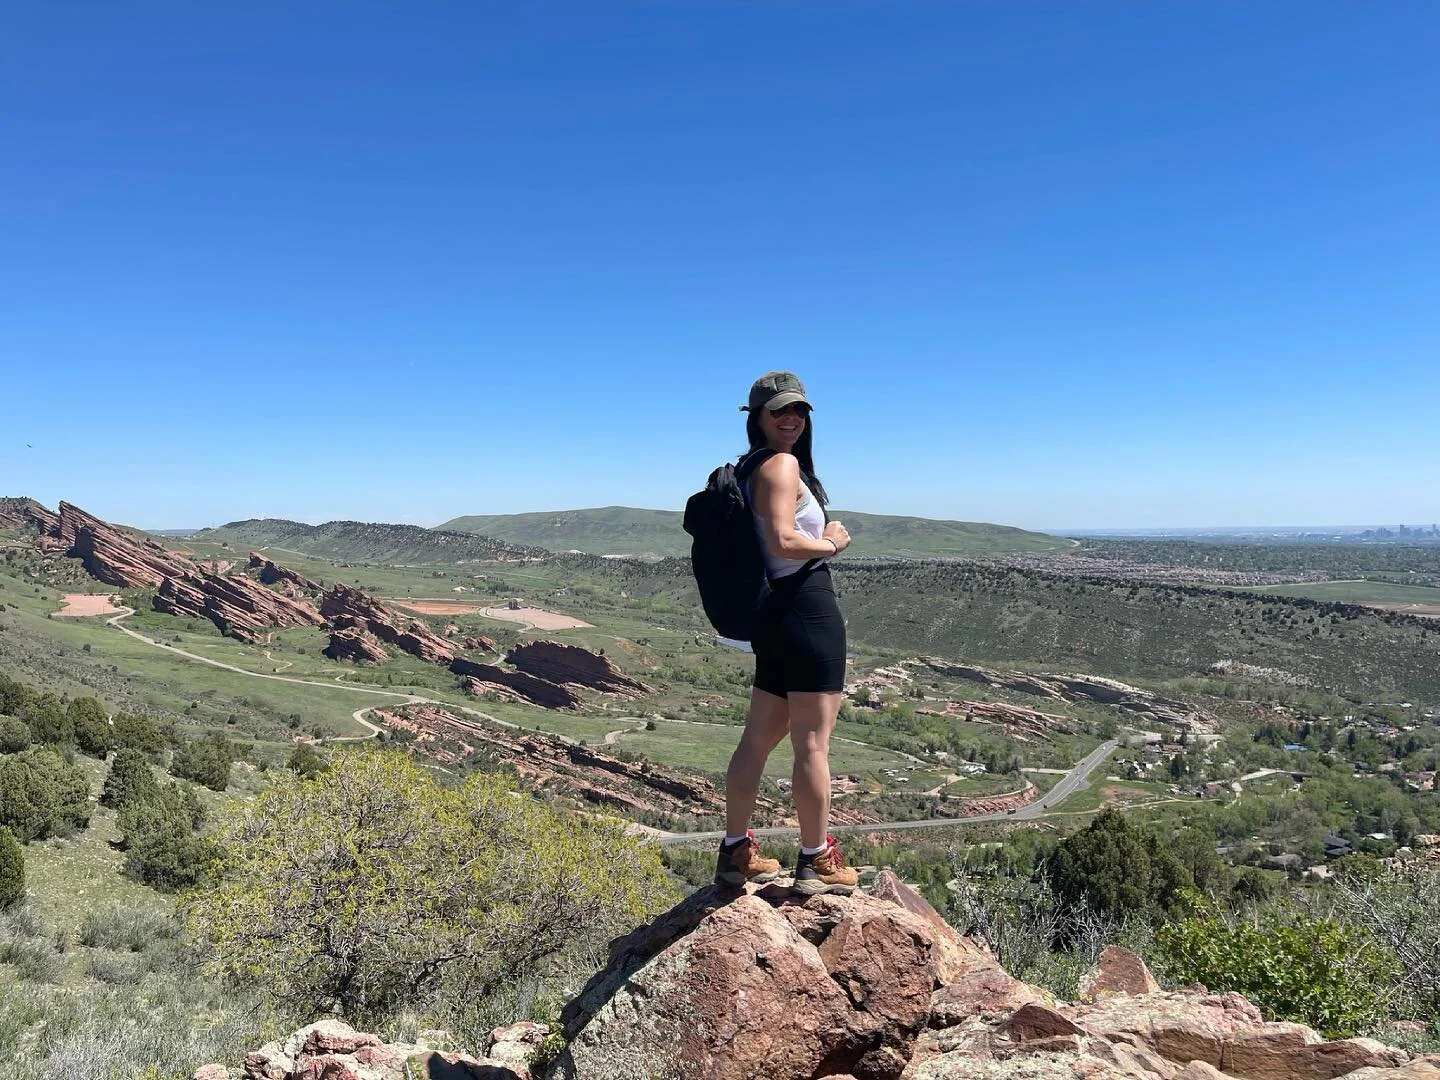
x: 355, y: 644
x: 408, y: 635
x: 571, y: 664
x: 238, y: 605
x: 531, y: 688
x: 27, y: 513
x: 272, y: 573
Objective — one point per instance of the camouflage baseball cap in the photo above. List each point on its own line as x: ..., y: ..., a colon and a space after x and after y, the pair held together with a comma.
x: 775, y: 390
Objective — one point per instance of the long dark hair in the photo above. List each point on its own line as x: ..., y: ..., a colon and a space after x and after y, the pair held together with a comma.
x: 801, y: 451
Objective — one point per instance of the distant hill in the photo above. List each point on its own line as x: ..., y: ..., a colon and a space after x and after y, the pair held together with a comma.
x: 624, y: 530
x: 360, y: 541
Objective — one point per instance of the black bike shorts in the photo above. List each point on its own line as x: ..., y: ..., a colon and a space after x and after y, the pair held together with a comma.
x: 799, y: 636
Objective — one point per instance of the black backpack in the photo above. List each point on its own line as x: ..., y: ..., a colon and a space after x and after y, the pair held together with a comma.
x: 725, y: 554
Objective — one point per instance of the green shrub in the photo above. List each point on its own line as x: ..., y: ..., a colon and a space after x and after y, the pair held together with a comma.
x: 35, y: 959
x: 12, y: 870
x: 205, y: 761
x: 138, y: 733
x: 161, y: 846
x: 1117, y: 871
x: 47, y: 720
x: 328, y: 880
x: 14, y: 735
x: 91, y: 726
x: 1294, y: 967
x: 130, y: 779
x: 307, y: 761
x: 113, y: 967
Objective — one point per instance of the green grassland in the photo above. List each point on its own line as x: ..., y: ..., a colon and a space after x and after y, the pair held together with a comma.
x: 1359, y: 592
x: 624, y: 530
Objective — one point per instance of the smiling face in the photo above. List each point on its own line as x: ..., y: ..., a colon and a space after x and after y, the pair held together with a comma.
x: 783, y: 427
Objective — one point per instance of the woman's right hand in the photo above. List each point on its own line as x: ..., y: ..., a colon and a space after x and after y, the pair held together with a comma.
x: 836, y: 532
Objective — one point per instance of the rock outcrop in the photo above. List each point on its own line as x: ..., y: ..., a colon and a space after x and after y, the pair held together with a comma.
x: 27, y: 514
x: 1019, y: 722
x: 758, y: 984
x: 351, y: 609
x: 240, y: 606
x: 571, y: 665
x: 751, y: 983
x: 565, y: 767
x: 271, y: 574
x: 355, y: 644
x: 1145, y: 704
x: 115, y: 558
x: 515, y: 685
x: 333, y: 1050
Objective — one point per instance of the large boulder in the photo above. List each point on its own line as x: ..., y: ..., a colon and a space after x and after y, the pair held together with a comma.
x: 738, y: 984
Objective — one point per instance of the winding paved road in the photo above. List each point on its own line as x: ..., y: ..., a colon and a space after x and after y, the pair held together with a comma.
x: 1074, y: 780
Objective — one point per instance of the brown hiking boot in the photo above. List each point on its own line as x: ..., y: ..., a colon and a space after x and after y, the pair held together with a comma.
x: 741, y: 862
x: 824, y: 872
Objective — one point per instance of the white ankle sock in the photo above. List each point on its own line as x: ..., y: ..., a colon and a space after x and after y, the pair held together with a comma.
x: 811, y: 850
x: 731, y: 841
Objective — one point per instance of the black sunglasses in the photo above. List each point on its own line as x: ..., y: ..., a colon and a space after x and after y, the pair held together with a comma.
x: 799, y: 408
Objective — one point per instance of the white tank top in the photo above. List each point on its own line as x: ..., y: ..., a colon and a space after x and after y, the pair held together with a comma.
x: 809, y: 520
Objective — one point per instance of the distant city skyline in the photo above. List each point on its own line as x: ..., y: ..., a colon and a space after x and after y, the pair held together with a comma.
x: 1117, y: 264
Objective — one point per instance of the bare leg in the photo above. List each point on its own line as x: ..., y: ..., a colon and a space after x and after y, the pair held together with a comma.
x: 764, y: 728
x: 812, y: 719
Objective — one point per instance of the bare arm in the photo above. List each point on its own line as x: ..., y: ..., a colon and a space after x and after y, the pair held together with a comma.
x: 774, y: 491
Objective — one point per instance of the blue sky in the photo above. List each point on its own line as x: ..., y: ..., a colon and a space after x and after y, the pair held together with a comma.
x: 1054, y: 264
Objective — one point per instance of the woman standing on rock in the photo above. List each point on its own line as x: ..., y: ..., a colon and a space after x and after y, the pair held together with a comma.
x: 798, y: 640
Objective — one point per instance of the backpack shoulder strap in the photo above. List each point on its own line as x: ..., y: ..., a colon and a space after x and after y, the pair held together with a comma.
x: 747, y: 464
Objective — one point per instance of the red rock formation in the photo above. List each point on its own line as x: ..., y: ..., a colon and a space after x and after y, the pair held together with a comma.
x: 410, y: 636
x: 530, y: 688
x: 271, y: 573
x: 27, y: 513
x: 570, y: 664
x: 355, y: 644
x: 480, y: 643
x: 239, y: 606
x: 336, y: 1051
x: 1132, y: 699
x: 563, y: 766
x: 115, y: 558
x: 744, y: 983
x: 1020, y: 722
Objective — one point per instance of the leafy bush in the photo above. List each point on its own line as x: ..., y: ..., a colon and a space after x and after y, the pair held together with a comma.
x: 42, y: 795
x: 373, y: 889
x: 47, y: 720
x: 1399, y: 907
x: 91, y: 726
x: 205, y: 761
x: 161, y: 845
x: 1293, y: 966
x: 138, y: 733
x: 14, y: 735
x: 12, y: 869
x: 307, y: 761
x: 1115, y: 870
x: 130, y: 780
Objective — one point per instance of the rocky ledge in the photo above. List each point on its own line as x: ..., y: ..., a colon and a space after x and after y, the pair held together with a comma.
x: 757, y: 984
x: 352, y: 610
